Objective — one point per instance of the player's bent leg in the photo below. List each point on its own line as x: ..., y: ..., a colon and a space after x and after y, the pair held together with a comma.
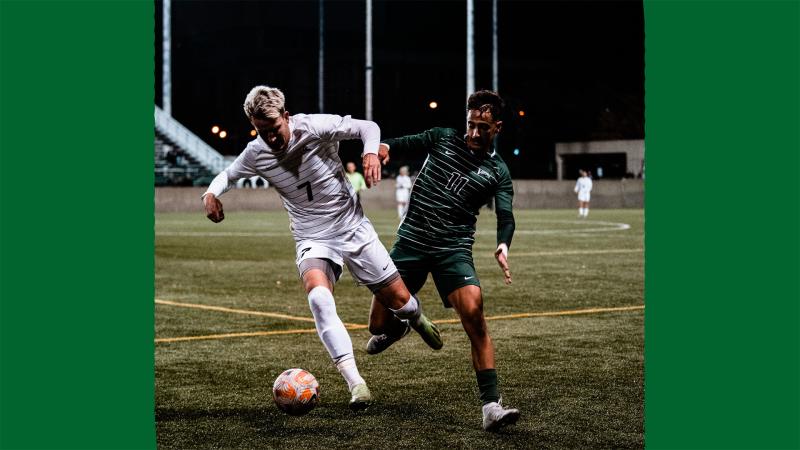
x: 385, y: 327
x: 395, y: 293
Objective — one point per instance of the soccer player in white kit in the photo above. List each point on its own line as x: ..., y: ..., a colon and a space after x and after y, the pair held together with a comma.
x: 403, y: 187
x: 584, y: 190
x: 299, y: 157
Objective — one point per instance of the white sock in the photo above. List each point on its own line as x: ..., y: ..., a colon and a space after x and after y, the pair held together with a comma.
x: 410, y: 310
x: 585, y: 212
x: 347, y: 367
x: 400, y: 211
x: 580, y: 212
x: 332, y: 333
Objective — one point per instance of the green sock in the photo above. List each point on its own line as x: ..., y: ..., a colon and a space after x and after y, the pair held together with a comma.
x: 487, y: 385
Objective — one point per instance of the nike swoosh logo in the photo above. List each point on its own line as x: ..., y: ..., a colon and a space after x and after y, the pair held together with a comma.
x: 467, y: 278
x: 448, y: 152
x: 303, y: 251
x: 387, y: 265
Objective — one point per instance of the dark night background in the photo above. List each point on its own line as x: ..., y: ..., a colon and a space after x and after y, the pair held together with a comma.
x: 575, y: 68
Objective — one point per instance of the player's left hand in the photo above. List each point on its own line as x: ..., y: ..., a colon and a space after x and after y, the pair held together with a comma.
x: 501, y: 255
x: 372, y: 169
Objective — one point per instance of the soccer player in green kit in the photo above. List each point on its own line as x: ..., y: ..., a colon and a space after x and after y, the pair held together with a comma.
x: 459, y: 175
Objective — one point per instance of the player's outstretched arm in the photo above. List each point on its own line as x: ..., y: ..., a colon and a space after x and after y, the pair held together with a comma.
x: 501, y: 255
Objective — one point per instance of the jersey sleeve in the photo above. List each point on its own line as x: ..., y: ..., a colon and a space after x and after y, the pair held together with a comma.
x: 415, y: 142
x: 331, y: 127
x: 241, y: 167
x: 503, y: 198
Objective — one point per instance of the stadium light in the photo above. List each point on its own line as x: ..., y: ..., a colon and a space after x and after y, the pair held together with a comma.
x: 433, y: 105
x: 223, y: 134
x: 521, y: 113
x: 253, y: 133
x: 215, y: 129
x: 516, y: 152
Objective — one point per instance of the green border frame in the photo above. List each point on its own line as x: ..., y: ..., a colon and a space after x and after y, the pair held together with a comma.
x: 76, y: 224
x: 721, y: 276
x: 76, y: 237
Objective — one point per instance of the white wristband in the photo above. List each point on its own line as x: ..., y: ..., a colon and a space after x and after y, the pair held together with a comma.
x: 503, y: 249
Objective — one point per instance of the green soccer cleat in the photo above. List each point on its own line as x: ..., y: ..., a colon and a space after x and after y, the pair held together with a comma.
x: 428, y: 331
x: 361, y: 397
x: 380, y: 342
x: 496, y: 417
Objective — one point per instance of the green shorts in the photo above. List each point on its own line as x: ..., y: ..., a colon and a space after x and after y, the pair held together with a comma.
x: 450, y: 270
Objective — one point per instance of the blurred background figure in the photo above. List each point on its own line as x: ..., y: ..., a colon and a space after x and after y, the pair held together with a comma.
x: 584, y: 189
x: 356, y: 179
x: 403, y: 191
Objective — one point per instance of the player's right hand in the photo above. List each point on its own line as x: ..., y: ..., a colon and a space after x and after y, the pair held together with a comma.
x: 501, y: 255
x: 383, y: 154
x: 213, y: 208
x: 372, y: 169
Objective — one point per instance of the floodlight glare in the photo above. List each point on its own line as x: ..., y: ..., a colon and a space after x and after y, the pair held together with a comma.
x: 253, y: 133
x: 215, y: 129
x: 516, y: 152
x: 223, y: 134
x: 433, y: 105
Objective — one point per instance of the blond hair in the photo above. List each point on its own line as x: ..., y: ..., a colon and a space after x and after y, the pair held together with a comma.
x: 264, y: 102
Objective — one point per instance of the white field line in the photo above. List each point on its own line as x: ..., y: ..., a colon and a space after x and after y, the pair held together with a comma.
x: 443, y: 321
x: 597, y: 226
x: 222, y: 233
x: 577, y: 252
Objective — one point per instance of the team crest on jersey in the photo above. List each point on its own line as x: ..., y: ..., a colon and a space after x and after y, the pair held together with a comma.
x: 484, y: 173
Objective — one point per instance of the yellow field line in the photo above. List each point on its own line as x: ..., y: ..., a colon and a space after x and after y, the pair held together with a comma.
x: 552, y: 313
x: 359, y: 327
x: 250, y: 334
x: 242, y: 311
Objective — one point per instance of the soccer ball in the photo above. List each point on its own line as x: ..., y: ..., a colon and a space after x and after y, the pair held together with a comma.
x: 296, y: 392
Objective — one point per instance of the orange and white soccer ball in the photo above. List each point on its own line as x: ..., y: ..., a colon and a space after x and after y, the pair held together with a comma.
x: 296, y: 392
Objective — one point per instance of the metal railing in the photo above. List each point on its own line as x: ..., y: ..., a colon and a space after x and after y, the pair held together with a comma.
x: 188, y: 141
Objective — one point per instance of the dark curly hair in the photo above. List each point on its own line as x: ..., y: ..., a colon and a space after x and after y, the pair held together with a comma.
x: 486, y: 101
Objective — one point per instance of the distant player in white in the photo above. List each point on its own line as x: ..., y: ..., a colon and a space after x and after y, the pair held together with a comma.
x: 403, y: 191
x: 298, y: 155
x: 584, y: 190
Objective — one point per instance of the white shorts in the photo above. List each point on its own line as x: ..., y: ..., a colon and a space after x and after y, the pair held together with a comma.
x: 583, y: 196
x: 402, y: 196
x: 360, y: 249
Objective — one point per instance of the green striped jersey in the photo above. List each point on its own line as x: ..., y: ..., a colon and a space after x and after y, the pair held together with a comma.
x: 449, y: 191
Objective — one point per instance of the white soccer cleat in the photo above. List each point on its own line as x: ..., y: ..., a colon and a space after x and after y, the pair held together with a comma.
x: 496, y: 417
x: 380, y: 342
x: 361, y: 397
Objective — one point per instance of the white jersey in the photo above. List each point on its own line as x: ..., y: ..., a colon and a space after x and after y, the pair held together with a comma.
x: 403, y: 185
x: 308, y: 175
x: 583, y: 186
